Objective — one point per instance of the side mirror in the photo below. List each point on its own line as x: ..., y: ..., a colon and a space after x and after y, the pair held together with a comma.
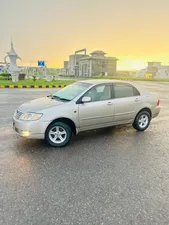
x: 86, y: 99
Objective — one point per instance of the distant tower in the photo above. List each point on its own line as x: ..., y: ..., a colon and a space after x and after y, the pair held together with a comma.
x: 13, y: 69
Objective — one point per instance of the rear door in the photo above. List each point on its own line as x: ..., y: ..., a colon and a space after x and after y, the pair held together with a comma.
x: 127, y: 102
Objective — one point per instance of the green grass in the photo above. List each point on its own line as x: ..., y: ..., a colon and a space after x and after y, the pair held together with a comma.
x: 38, y: 82
x: 129, y: 78
x: 67, y: 82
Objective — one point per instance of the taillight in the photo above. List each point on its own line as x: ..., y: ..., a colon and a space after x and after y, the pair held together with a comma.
x: 158, y: 103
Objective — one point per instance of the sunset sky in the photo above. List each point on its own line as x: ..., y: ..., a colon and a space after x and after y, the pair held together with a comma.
x: 134, y: 31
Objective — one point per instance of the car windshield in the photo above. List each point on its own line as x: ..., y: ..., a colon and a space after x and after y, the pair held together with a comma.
x: 71, y: 91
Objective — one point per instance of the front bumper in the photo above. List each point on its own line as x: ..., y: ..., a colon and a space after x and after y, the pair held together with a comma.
x: 30, y: 129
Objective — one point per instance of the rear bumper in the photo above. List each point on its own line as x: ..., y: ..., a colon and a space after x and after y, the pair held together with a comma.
x: 155, y: 112
x: 30, y: 129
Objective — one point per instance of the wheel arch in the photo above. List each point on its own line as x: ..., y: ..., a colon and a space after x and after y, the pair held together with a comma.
x: 145, y: 109
x: 67, y: 121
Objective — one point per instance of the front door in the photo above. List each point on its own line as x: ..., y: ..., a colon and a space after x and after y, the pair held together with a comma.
x: 127, y: 102
x: 100, y: 111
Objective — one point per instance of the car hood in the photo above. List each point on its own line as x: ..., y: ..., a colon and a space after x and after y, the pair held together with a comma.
x: 39, y: 104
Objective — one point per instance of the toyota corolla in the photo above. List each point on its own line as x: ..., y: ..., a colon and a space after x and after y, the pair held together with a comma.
x: 85, y: 105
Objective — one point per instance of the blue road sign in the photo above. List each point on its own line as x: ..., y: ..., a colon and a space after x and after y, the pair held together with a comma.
x: 41, y: 63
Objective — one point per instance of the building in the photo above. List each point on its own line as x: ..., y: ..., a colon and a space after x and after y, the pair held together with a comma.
x: 94, y: 64
x: 66, y: 67
x: 72, y: 66
x: 97, y: 64
x: 154, y: 70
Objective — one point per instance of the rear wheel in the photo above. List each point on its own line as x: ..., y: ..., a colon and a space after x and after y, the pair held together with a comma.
x: 58, y: 134
x: 142, y: 121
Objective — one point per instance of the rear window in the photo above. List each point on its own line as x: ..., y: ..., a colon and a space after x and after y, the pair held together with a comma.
x: 124, y: 91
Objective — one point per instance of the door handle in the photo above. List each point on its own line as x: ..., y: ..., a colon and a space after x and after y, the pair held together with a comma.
x: 110, y: 103
x: 137, y: 100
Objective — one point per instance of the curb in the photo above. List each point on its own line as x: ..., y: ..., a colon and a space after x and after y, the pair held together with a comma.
x: 33, y: 86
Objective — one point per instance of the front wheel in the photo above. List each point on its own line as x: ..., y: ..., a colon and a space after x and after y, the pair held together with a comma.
x: 58, y: 134
x: 142, y: 121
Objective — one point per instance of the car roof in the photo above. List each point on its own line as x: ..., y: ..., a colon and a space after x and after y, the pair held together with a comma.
x: 101, y: 81
x: 94, y: 82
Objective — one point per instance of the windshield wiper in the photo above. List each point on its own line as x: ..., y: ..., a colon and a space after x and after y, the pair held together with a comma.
x: 64, y: 99
x: 54, y: 97
x: 61, y: 99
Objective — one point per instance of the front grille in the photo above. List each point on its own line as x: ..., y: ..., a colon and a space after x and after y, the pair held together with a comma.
x: 18, y: 114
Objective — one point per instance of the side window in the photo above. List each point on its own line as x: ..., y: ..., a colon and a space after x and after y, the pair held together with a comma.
x: 100, y: 88
x: 100, y: 93
x: 125, y: 90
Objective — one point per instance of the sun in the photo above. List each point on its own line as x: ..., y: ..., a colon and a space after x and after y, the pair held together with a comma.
x: 131, y: 64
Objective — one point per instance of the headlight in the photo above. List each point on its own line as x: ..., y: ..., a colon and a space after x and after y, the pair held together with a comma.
x: 31, y: 116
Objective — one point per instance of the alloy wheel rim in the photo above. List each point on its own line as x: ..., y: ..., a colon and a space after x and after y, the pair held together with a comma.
x: 143, y: 121
x: 57, y: 134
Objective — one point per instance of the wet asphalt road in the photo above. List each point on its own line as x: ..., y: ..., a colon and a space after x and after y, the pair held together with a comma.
x: 112, y: 176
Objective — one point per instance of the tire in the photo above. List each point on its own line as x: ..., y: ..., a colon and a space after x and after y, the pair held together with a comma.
x: 134, y: 126
x: 58, y: 134
x: 142, y: 121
